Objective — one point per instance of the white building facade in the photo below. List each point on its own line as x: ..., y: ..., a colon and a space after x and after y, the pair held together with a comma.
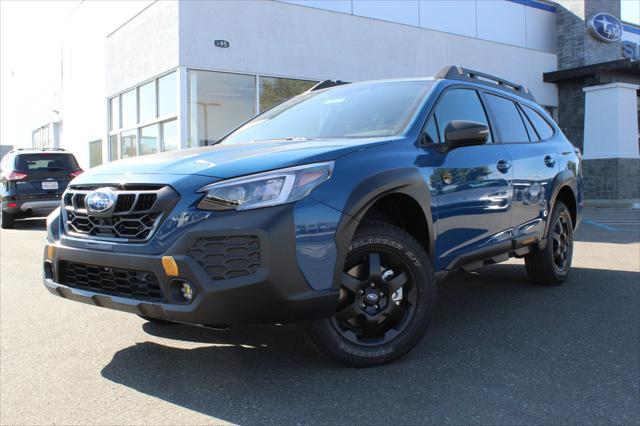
x: 143, y: 77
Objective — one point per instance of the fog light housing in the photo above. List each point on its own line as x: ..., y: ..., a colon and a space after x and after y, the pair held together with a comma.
x: 186, y: 291
x: 48, y: 270
x: 182, y: 291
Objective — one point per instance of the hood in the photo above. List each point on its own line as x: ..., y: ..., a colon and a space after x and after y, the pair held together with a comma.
x: 227, y: 161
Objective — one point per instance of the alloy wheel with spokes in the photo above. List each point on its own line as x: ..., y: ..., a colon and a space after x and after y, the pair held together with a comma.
x: 387, y: 295
x: 377, y: 298
x: 561, y: 243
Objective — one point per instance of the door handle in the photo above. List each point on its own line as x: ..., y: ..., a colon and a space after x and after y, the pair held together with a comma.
x: 503, y: 166
x: 549, y: 161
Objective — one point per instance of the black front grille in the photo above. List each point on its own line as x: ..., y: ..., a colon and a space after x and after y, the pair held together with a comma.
x: 227, y: 257
x: 113, y: 281
x: 133, y: 218
x: 131, y: 227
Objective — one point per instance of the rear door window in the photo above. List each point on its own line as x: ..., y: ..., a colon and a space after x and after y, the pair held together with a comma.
x: 544, y: 129
x: 45, y: 162
x: 508, y: 119
x: 459, y: 104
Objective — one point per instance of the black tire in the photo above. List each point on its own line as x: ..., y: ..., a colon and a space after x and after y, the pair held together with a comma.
x: 157, y: 321
x: 551, y: 266
x: 6, y: 220
x: 382, y: 332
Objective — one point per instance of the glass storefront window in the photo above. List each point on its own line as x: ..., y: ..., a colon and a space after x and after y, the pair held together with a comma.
x: 128, y: 144
x: 129, y: 112
x: 149, y: 139
x: 113, y: 147
x: 274, y: 90
x: 167, y: 94
x: 95, y: 153
x: 218, y: 102
x: 114, y: 113
x: 147, y: 101
x: 170, y: 135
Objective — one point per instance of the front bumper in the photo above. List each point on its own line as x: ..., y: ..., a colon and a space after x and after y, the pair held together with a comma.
x: 276, y: 292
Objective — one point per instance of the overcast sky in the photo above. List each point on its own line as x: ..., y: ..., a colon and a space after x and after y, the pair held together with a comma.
x: 30, y: 34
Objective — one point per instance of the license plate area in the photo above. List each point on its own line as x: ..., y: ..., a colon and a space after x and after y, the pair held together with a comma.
x: 50, y: 185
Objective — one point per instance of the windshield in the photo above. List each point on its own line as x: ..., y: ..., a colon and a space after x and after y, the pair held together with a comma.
x: 350, y: 111
x: 45, y: 162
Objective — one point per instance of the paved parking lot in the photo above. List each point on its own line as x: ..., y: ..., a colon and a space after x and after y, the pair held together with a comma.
x: 499, y: 351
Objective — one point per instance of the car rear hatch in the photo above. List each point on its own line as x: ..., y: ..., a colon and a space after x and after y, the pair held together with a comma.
x: 47, y: 174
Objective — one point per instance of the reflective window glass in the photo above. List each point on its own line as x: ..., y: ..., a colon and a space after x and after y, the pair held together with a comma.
x: 431, y: 131
x: 218, y: 102
x: 114, y: 113
x: 149, y: 139
x: 129, y: 111
x: 544, y: 129
x: 459, y: 104
x: 113, y: 147
x: 507, y: 119
x: 128, y: 144
x: 274, y: 90
x: 167, y: 94
x: 147, y: 100
x: 170, y: 135
x: 95, y: 153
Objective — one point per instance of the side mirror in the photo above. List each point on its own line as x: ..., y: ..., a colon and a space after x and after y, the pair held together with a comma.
x: 465, y: 133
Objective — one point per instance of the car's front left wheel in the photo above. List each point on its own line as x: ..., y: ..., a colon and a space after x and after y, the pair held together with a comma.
x: 387, y: 295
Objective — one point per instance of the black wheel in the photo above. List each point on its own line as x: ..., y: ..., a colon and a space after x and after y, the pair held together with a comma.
x: 156, y: 321
x: 387, y: 296
x: 551, y: 266
x: 6, y: 220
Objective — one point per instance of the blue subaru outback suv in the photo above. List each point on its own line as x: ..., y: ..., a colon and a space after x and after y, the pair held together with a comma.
x: 338, y: 209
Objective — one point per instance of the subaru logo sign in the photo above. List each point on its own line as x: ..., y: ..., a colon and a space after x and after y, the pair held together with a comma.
x: 605, y: 27
x: 100, y: 200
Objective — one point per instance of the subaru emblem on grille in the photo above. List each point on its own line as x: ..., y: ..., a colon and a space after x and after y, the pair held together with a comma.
x: 100, y: 200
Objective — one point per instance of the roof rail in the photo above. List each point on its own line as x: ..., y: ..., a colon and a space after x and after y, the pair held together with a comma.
x: 38, y: 149
x: 327, y: 83
x: 453, y: 72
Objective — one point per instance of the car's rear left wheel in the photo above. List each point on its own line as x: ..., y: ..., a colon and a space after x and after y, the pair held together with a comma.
x: 387, y: 295
x: 551, y: 265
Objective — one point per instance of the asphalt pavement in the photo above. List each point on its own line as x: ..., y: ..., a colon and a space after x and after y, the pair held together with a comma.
x: 499, y: 350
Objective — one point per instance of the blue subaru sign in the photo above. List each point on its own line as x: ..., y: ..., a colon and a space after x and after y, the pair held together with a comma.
x: 605, y: 27
x: 100, y: 200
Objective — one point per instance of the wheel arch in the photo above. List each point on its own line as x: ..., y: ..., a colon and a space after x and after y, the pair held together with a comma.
x: 565, y: 189
x: 400, y: 194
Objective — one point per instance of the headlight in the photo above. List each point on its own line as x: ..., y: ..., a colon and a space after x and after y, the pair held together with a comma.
x: 265, y: 189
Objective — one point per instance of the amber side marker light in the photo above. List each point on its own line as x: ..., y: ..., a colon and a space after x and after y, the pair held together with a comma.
x: 170, y: 266
x: 51, y: 250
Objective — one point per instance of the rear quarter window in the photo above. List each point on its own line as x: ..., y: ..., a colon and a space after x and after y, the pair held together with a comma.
x: 45, y: 162
x: 543, y: 128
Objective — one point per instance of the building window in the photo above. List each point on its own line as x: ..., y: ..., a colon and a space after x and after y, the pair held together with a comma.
x: 170, y: 135
x: 144, y: 112
x: 167, y: 94
x: 147, y: 98
x: 114, y: 113
x: 95, y: 153
x: 113, y: 147
x: 129, y: 114
x: 218, y: 102
x: 149, y: 139
x: 128, y: 146
x: 274, y: 90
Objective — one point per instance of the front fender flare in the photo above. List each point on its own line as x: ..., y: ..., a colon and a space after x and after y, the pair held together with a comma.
x: 407, y: 181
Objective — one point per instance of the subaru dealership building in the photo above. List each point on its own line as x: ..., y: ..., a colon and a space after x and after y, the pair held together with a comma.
x: 145, y: 77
